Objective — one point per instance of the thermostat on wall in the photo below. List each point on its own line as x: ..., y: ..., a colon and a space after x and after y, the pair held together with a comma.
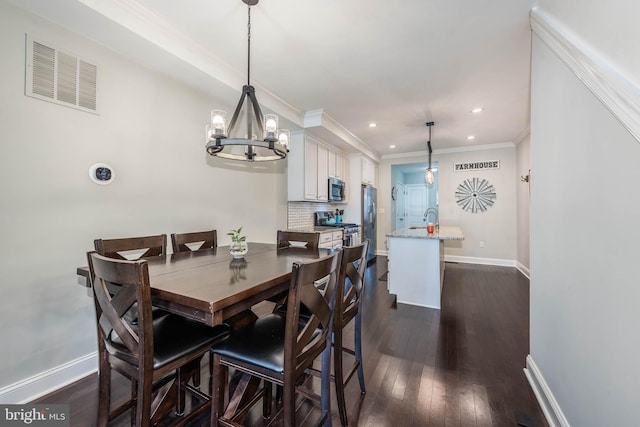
x: 101, y: 173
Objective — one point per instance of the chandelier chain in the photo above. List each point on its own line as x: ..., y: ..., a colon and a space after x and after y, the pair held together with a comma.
x: 248, y: 43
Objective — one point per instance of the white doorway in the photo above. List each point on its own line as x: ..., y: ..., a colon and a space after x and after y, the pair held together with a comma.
x: 411, y: 195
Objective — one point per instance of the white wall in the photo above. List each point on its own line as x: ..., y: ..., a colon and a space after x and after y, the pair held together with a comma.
x: 496, y: 227
x: 523, y: 164
x: 584, y: 227
x: 151, y: 131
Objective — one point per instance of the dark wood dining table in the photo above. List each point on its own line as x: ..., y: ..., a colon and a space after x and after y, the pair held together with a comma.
x: 210, y: 286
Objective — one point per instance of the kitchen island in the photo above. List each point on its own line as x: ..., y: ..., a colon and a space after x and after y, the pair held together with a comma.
x: 416, y: 264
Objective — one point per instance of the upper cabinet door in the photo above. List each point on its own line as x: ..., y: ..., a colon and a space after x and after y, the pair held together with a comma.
x: 311, y: 170
x: 340, y: 167
x: 368, y: 172
x: 323, y: 173
x: 332, y: 164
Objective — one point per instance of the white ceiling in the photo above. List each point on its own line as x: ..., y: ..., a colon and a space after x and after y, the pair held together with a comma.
x: 396, y: 63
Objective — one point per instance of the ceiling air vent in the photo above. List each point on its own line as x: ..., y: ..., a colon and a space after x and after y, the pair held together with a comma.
x: 56, y: 76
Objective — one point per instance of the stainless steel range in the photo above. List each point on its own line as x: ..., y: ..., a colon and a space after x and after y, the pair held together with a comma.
x: 351, y: 232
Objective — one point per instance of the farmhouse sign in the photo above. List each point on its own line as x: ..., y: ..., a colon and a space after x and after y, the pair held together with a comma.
x: 476, y: 166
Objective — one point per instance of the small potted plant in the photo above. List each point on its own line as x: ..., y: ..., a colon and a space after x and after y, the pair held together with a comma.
x: 239, y: 247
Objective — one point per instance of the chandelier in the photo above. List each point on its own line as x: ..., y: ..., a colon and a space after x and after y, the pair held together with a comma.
x: 428, y: 173
x: 228, y: 142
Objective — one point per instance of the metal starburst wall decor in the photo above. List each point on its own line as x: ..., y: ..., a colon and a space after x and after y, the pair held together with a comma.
x: 475, y: 195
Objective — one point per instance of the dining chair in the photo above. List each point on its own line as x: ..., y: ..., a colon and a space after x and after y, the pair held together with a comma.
x: 132, y: 246
x: 277, y: 350
x: 184, y: 242
x: 351, y: 280
x: 349, y: 307
x: 296, y: 239
x: 158, y: 355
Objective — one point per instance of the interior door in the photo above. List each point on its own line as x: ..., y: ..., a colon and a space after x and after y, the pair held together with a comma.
x: 416, y: 204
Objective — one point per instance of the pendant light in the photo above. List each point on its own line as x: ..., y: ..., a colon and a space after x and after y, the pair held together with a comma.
x: 428, y: 173
x: 223, y: 141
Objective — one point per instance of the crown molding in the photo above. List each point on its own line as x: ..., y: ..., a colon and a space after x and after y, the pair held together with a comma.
x: 523, y: 135
x: 450, y: 150
x: 327, y: 128
x: 619, y: 95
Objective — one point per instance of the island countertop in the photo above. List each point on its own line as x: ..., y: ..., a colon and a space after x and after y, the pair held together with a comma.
x: 446, y: 232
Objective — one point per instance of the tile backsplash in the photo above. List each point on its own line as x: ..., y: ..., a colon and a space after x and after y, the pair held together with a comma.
x: 300, y: 214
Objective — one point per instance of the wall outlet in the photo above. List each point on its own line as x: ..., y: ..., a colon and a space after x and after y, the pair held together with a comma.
x: 481, y: 244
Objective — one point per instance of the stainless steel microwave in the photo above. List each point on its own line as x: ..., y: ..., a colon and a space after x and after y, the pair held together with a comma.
x: 336, y: 190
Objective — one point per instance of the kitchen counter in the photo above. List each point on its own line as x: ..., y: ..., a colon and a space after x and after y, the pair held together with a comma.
x: 416, y: 264
x: 446, y: 232
x: 314, y: 229
x: 330, y: 237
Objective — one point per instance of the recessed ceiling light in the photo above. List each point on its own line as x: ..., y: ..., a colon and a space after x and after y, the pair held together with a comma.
x: 477, y: 110
x: 392, y: 146
x: 471, y: 137
x: 372, y: 125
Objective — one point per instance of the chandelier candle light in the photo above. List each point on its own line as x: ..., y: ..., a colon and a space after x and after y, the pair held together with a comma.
x: 428, y: 173
x: 221, y: 138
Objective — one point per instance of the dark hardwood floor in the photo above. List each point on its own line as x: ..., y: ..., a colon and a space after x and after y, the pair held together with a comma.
x: 460, y: 366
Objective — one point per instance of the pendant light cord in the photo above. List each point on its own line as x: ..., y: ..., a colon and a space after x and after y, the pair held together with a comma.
x: 248, y: 43
x: 429, y: 143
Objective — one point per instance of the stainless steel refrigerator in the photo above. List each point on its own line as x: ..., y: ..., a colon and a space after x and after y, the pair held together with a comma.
x: 369, y: 207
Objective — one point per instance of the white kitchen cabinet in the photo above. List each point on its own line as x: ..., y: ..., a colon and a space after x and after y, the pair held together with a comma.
x: 322, y: 173
x: 341, y: 167
x: 368, y: 172
x: 310, y: 163
x: 330, y: 239
x: 332, y: 164
x: 310, y: 170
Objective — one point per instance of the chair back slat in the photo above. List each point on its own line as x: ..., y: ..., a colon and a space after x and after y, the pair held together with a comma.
x: 295, y: 239
x: 116, y: 248
x: 117, y: 286
x: 195, y: 241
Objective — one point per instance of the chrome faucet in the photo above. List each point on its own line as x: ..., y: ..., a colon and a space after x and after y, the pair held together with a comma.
x: 435, y: 212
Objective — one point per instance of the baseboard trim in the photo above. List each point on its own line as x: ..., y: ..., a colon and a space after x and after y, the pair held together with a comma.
x: 523, y: 269
x: 46, y: 382
x: 550, y: 408
x: 477, y: 260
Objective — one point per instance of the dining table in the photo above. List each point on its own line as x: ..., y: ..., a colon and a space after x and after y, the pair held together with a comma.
x: 210, y: 286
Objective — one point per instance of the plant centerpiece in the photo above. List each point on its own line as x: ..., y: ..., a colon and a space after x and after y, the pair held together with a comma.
x: 239, y: 247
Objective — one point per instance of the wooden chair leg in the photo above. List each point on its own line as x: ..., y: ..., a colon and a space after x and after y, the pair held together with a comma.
x: 358, y: 351
x: 134, y: 398
x: 325, y: 384
x: 219, y: 385
x: 289, y: 402
x: 104, y: 393
x: 143, y: 405
x: 339, y: 376
x: 181, y: 379
x: 267, y: 399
